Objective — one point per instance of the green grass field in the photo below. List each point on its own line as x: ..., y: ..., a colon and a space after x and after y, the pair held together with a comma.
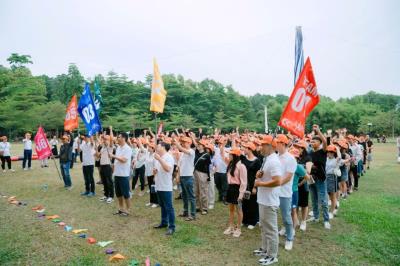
x: 366, y: 231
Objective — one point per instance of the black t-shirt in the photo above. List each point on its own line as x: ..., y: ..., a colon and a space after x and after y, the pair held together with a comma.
x: 318, y: 159
x: 252, y: 168
x: 202, y: 162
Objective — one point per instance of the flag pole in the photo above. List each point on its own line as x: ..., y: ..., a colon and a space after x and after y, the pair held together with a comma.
x: 156, y: 131
x: 58, y: 171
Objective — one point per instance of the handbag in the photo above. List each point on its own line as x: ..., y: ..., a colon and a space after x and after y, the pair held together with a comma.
x: 337, y: 172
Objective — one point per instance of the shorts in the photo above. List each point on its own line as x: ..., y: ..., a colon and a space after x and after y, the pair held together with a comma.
x: 232, y: 194
x: 97, y: 163
x: 331, y: 183
x: 345, y: 175
x: 295, y: 199
x: 303, y: 196
x: 122, y: 186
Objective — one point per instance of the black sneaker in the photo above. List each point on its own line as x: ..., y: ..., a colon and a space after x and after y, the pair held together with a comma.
x: 170, y: 232
x: 269, y: 261
x: 260, y: 252
x: 159, y: 226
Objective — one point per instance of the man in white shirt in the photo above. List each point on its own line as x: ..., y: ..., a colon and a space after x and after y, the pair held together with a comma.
x: 163, y: 169
x: 122, y: 169
x: 289, y: 166
x: 27, y: 152
x: 268, y: 180
x: 140, y: 167
x: 5, y: 154
x: 88, y: 152
x: 186, y: 169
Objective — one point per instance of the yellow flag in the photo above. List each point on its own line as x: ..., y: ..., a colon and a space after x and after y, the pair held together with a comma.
x: 158, y: 93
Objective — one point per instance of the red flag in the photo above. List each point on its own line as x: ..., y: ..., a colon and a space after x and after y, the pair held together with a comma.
x: 302, y: 101
x: 42, y: 146
x: 71, y: 117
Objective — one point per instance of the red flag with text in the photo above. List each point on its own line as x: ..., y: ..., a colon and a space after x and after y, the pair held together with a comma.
x: 42, y: 146
x: 71, y: 117
x: 302, y: 101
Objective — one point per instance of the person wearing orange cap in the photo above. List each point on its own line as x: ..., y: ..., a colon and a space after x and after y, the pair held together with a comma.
x: 219, y: 165
x: 344, y: 168
x: 149, y: 168
x: 356, y: 157
x: 237, y: 183
x: 318, y: 189
x: 102, y: 153
x: 140, y: 167
x: 268, y: 180
x: 250, y: 205
x: 65, y: 157
x: 289, y: 165
x: 186, y: 169
x: 332, y: 163
x: 202, y: 163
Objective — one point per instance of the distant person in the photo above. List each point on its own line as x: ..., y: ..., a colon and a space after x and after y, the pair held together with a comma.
x: 370, y: 144
x: 54, y: 145
x: 27, y: 152
x: 5, y: 154
x: 87, y: 148
x: 65, y: 157
x: 103, y: 153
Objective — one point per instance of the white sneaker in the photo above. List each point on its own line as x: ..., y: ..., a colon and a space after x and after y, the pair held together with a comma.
x: 25, y: 169
x: 330, y: 216
x: 288, y: 245
x: 103, y: 198
x: 154, y: 205
x: 229, y: 231
x: 313, y: 220
x: 4, y: 171
x: 110, y: 200
x: 335, y: 212
x: 148, y: 204
x: 268, y: 261
x: 311, y: 213
x: 303, y: 226
x: 12, y: 170
x: 327, y: 225
x: 251, y: 227
x: 260, y: 252
x: 282, y: 232
x: 237, y: 232
x: 210, y: 207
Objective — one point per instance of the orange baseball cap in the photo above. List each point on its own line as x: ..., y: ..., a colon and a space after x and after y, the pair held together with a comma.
x: 301, y: 144
x: 281, y: 138
x: 250, y: 145
x: 203, y: 142
x: 186, y: 139
x: 235, y: 151
x: 331, y: 148
x: 268, y: 139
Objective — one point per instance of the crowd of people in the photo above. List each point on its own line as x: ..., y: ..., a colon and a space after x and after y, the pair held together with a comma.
x: 257, y: 176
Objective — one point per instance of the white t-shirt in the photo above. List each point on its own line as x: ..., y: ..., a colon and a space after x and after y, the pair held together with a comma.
x: 141, y: 157
x: 5, y: 148
x: 163, y: 179
x: 27, y: 144
x: 149, y: 165
x: 53, y: 142
x: 269, y: 196
x: 75, y: 144
x: 289, y: 165
x: 120, y: 168
x: 186, y: 163
x: 218, y: 161
x: 88, y: 153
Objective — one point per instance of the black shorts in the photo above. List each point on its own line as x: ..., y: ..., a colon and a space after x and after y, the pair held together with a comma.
x: 122, y: 186
x: 97, y: 163
x: 303, y: 196
x: 232, y: 194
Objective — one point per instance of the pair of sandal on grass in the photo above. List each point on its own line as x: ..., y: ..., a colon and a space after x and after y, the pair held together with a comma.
x: 121, y: 213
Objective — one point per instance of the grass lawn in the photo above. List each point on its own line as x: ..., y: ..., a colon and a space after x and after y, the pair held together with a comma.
x: 366, y: 231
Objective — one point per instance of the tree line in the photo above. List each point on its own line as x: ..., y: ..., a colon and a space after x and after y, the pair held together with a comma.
x: 27, y: 101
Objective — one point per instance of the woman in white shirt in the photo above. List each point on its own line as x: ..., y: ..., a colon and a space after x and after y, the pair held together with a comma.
x: 149, y: 167
x: 5, y: 154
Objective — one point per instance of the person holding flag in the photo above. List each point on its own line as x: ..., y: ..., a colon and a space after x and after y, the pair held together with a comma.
x: 65, y: 157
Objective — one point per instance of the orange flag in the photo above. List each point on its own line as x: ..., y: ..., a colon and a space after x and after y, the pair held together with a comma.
x: 71, y: 116
x: 302, y: 101
x: 158, y: 93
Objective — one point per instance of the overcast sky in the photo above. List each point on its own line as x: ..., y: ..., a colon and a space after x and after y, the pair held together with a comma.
x: 354, y: 46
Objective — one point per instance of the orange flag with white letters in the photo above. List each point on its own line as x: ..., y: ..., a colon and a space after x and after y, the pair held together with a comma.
x: 71, y: 117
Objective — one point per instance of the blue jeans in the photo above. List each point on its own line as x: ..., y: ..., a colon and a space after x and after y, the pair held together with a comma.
x: 188, y: 195
x: 319, y: 196
x: 167, y: 209
x: 27, y: 157
x: 286, y: 212
x: 65, y: 173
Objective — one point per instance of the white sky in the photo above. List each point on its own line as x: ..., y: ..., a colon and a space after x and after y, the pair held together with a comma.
x: 354, y: 46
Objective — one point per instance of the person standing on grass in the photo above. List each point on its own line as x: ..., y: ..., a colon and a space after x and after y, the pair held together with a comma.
x: 163, y: 169
x: 88, y: 153
x: 369, y: 151
x: 65, y: 157
x: 253, y: 164
x: 268, y: 181
x: 5, y: 154
x: 186, y: 179
x: 332, y: 162
x: 103, y: 153
x: 289, y: 164
x: 27, y: 152
x: 220, y: 177
x: 54, y: 145
x: 122, y: 169
x: 318, y: 189
x: 356, y: 156
x: 237, y: 183
x: 140, y: 167
x: 150, y: 175
x: 344, y: 169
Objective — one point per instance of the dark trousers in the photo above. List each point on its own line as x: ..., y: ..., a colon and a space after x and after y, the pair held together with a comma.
x: 5, y: 159
x: 106, y: 179
x: 139, y: 173
x: 221, y: 182
x: 27, y: 157
x: 167, y: 209
x: 250, y: 211
x: 153, y: 193
x: 353, y: 169
x: 64, y: 167
x: 88, y: 176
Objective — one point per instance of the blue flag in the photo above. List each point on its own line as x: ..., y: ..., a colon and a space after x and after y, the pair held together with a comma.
x: 298, y: 54
x: 88, y: 113
x: 98, y: 101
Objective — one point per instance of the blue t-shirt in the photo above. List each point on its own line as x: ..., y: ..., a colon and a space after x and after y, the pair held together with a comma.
x: 299, y: 174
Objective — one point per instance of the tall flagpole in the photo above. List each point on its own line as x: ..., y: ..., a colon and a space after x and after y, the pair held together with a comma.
x: 266, y: 119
